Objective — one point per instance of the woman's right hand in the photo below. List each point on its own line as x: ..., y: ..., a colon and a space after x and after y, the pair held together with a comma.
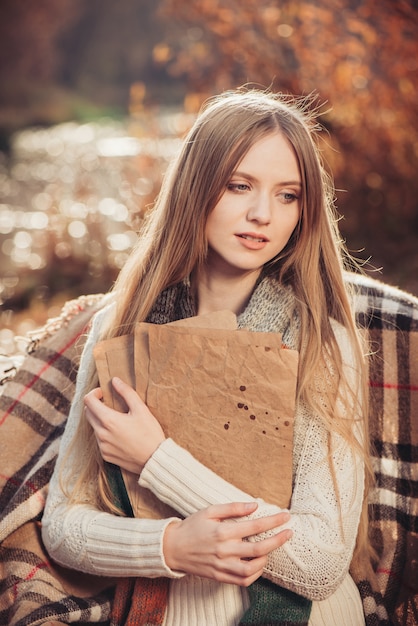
x: 212, y: 543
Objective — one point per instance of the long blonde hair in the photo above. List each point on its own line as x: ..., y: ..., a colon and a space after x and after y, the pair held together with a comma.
x: 173, y: 243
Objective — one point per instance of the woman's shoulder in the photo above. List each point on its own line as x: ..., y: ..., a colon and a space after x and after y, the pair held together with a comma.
x: 92, y: 335
x: 107, y: 307
x: 345, y: 342
x: 341, y: 333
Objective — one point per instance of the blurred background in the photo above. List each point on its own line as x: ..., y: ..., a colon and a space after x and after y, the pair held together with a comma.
x: 95, y: 97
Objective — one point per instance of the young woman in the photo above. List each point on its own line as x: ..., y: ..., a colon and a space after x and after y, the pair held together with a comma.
x: 244, y: 221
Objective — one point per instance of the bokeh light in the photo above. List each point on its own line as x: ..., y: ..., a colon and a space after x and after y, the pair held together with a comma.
x: 72, y: 197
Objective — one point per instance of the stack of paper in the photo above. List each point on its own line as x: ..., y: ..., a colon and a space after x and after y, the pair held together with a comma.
x: 226, y: 395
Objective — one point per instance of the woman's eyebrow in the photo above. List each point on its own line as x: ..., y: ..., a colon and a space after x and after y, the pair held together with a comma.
x: 284, y: 183
x: 291, y: 183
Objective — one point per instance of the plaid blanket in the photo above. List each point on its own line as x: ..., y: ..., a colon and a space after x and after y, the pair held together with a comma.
x: 34, y: 403
x: 391, y: 317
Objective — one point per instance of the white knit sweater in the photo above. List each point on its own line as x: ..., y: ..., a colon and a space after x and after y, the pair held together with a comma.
x: 313, y: 563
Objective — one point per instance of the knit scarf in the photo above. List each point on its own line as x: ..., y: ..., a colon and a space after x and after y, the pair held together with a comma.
x: 142, y: 601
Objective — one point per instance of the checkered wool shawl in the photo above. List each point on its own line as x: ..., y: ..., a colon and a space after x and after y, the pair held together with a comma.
x: 34, y: 404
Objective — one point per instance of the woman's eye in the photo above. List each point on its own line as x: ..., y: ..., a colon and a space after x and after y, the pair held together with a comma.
x: 238, y: 187
x: 288, y: 197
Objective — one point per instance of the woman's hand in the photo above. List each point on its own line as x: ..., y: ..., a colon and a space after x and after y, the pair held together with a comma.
x: 125, y: 439
x: 211, y: 543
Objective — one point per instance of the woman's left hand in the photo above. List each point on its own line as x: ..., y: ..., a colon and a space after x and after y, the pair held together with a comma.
x: 125, y: 439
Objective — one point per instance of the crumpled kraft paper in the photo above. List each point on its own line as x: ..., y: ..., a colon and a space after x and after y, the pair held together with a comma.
x: 226, y: 395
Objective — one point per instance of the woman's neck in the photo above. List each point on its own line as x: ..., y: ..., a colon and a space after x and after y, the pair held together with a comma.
x: 223, y: 293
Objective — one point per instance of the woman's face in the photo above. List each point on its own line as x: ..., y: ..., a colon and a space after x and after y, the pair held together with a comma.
x: 258, y: 211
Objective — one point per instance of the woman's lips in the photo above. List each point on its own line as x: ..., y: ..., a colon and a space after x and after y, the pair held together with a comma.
x: 252, y: 241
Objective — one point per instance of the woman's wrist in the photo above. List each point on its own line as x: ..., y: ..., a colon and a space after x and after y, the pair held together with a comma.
x: 169, y: 545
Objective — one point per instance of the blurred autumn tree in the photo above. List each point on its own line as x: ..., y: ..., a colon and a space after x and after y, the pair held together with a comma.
x: 362, y: 59
x: 360, y: 56
x: 30, y: 57
x: 73, y: 59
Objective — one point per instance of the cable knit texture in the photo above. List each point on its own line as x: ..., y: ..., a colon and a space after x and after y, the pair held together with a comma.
x: 314, y: 563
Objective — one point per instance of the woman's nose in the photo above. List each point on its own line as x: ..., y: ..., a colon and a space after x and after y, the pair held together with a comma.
x: 260, y: 210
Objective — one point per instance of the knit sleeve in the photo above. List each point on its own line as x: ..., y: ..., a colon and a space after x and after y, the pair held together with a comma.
x: 79, y: 536
x: 316, y: 559
x: 326, y: 502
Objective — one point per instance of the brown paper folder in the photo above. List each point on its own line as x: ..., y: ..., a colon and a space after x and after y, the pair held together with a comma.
x: 115, y: 357
x: 226, y: 395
